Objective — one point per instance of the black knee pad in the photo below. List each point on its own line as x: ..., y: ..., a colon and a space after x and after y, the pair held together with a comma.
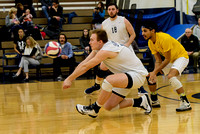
x: 102, y: 73
x: 149, y: 82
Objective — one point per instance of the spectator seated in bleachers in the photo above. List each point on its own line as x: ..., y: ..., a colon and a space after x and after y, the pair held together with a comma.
x: 20, y: 10
x: 32, y: 56
x: 12, y: 22
x: 84, y: 41
x: 20, y: 42
x: 66, y: 58
x: 98, y: 16
x: 27, y: 21
x: 56, y: 15
x: 191, y: 44
x: 28, y: 4
x: 46, y: 5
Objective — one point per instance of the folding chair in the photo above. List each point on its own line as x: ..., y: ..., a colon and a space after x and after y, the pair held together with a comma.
x: 9, y: 62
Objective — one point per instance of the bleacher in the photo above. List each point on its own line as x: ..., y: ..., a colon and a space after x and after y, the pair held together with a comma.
x: 83, y: 9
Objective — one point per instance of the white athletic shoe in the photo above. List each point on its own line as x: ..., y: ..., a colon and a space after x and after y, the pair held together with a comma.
x: 146, y: 104
x: 86, y: 110
x: 156, y: 104
x: 184, y: 106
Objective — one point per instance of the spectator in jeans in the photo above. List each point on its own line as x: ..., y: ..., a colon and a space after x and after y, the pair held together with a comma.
x: 64, y: 59
x: 84, y: 41
x: 191, y: 44
x: 32, y: 55
x: 46, y: 5
x: 56, y: 15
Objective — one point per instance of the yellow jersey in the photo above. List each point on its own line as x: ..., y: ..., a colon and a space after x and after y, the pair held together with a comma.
x: 164, y: 42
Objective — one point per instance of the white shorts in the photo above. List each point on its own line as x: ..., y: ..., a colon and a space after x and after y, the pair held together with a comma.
x: 179, y: 64
x: 138, y: 81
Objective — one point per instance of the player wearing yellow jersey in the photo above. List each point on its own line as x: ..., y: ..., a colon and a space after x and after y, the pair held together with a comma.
x: 176, y: 59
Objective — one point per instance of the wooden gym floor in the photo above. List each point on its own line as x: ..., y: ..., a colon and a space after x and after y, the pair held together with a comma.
x: 44, y: 108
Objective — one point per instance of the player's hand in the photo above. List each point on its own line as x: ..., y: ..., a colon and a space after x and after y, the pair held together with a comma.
x: 152, y: 77
x: 67, y: 84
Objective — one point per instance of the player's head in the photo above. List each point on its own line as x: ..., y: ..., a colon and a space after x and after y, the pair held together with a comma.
x: 62, y: 38
x: 112, y: 10
x: 98, y: 38
x: 148, y: 29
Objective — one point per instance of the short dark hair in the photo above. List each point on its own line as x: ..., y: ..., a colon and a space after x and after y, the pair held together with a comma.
x: 150, y: 25
x: 64, y: 36
x: 113, y: 4
x: 101, y: 35
x: 55, y: 1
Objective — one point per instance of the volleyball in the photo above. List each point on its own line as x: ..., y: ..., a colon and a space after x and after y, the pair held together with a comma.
x: 52, y: 49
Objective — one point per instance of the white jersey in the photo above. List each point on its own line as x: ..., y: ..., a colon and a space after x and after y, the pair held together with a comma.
x: 125, y: 61
x: 116, y: 30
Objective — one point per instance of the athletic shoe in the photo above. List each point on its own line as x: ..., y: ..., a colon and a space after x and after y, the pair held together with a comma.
x: 184, y: 106
x: 146, y: 104
x: 156, y: 104
x: 92, y: 89
x: 141, y: 91
x: 86, y: 110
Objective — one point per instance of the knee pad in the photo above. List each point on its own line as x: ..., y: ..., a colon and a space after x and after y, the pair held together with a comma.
x: 175, y: 83
x: 101, y: 73
x: 107, y: 86
x: 149, y: 82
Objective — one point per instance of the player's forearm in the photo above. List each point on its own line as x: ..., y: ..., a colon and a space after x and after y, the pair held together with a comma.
x: 80, y: 69
x: 160, y: 65
x: 131, y: 39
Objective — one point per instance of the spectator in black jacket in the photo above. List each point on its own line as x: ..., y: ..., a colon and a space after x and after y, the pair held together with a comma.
x: 56, y: 15
x: 84, y: 41
x: 28, y: 4
x: 191, y: 44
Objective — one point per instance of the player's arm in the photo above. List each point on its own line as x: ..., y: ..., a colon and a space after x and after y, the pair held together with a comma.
x: 84, y: 67
x: 159, y: 65
x: 89, y: 57
x: 15, y: 48
x: 131, y: 32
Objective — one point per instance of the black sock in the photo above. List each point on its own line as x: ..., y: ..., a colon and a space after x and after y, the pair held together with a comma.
x: 137, y: 102
x: 184, y: 98
x: 96, y: 107
x: 154, y: 97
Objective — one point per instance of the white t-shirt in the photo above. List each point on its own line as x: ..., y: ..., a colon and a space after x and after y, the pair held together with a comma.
x: 125, y: 61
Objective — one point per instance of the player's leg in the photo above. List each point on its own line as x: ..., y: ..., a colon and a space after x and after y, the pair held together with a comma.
x: 177, y: 68
x: 101, y: 74
x: 123, y: 82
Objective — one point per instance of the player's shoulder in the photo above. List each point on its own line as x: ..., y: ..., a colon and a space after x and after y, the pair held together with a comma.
x: 163, y: 35
x: 106, y: 21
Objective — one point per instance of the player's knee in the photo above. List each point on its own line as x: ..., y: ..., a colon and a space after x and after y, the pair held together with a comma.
x: 169, y: 76
x: 101, y: 73
x: 108, y: 107
x: 107, y: 86
x: 175, y: 83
